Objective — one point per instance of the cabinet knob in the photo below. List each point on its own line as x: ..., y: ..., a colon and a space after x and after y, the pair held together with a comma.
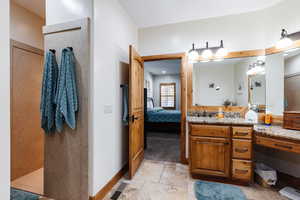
x: 241, y: 171
x: 241, y: 150
x: 241, y: 133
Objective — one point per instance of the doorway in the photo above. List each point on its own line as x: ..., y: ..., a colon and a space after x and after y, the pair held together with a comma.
x: 162, y: 110
x: 27, y: 138
x: 138, y: 103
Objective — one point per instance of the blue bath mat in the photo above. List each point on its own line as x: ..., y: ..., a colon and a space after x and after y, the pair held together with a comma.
x: 217, y: 191
x: 22, y: 195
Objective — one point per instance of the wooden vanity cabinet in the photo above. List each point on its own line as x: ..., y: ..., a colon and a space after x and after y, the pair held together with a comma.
x: 210, y: 156
x: 221, y: 151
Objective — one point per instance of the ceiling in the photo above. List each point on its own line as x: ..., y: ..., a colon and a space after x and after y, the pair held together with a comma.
x: 147, y: 13
x: 169, y: 66
x: 35, y: 6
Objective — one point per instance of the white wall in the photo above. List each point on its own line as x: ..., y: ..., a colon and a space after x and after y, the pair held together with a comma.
x: 26, y: 26
x: 114, y: 31
x: 275, y: 84
x: 242, y: 32
x: 222, y: 75
x: 240, y: 78
x: 158, y: 79
x: 255, y: 30
x: 59, y: 11
x: 149, y: 77
x: 5, y: 101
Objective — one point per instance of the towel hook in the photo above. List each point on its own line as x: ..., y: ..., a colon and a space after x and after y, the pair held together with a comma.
x: 52, y: 50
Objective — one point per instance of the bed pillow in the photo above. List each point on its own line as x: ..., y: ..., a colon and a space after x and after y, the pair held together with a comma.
x: 158, y: 109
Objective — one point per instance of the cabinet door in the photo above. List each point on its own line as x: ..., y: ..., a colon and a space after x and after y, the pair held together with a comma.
x: 210, y: 156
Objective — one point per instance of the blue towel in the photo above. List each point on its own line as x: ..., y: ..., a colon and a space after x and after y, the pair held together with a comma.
x: 47, y: 106
x: 66, y: 96
x: 125, y: 104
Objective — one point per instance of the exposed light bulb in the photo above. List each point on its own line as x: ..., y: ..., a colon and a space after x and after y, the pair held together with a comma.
x: 163, y: 72
x: 207, y: 53
x: 193, y: 56
x: 284, y: 43
x: 221, y: 53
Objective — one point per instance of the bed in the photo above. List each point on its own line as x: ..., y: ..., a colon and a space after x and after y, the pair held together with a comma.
x: 159, y: 119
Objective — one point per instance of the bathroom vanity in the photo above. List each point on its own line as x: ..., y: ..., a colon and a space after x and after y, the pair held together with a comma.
x: 221, y: 148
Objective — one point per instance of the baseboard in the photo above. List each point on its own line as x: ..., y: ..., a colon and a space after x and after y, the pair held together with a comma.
x: 105, y: 190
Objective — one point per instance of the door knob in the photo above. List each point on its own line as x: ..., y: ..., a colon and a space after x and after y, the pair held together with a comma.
x: 134, y: 118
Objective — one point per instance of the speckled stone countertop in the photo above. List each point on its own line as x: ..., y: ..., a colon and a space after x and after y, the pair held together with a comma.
x: 214, y: 120
x: 274, y: 130
x: 277, y: 131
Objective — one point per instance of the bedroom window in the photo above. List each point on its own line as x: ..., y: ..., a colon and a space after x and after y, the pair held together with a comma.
x: 168, y: 95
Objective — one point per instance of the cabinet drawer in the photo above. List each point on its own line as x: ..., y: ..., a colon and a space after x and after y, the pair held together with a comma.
x: 210, y: 130
x: 242, y: 149
x: 278, y: 144
x: 242, y: 132
x: 242, y: 170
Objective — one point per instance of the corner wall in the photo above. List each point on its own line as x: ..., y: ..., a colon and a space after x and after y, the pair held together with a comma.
x: 5, y: 101
x: 114, y: 31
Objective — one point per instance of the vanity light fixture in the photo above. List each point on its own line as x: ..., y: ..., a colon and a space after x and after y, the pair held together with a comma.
x: 207, y: 53
x: 163, y: 72
x: 284, y: 41
x: 221, y: 52
x: 193, y: 54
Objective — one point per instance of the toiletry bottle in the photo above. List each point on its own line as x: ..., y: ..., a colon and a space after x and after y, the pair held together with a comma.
x: 220, y: 114
x: 268, y: 119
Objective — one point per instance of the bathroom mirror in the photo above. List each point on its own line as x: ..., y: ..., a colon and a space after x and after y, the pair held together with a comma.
x: 283, y: 81
x: 292, y: 80
x: 230, y: 82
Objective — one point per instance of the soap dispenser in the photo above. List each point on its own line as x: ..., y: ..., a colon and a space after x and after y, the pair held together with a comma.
x: 251, y: 115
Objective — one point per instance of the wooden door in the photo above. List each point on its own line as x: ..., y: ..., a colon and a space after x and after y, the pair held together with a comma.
x: 27, y: 138
x: 136, y: 111
x: 210, y: 156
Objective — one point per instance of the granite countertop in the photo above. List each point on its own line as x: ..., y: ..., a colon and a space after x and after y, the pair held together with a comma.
x: 277, y: 131
x: 214, y: 120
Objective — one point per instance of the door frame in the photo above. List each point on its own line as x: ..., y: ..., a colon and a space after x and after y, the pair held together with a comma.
x: 183, y: 89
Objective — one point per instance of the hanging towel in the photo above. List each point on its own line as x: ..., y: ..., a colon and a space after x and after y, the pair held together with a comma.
x: 125, y: 101
x: 47, y: 106
x: 66, y: 95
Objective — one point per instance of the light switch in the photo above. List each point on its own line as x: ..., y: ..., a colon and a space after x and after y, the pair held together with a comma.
x: 107, y: 109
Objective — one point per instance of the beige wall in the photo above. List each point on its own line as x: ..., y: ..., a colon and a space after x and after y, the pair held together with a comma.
x: 26, y: 27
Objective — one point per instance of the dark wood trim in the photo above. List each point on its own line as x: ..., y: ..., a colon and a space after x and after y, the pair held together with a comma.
x: 183, y: 86
x: 168, y: 84
x: 106, y: 189
x: 164, y: 57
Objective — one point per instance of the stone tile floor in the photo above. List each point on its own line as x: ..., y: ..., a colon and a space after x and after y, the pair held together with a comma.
x: 157, y: 180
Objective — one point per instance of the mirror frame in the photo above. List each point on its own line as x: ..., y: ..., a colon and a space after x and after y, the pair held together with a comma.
x: 235, y: 54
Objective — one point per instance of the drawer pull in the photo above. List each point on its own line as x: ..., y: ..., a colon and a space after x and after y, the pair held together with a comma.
x: 241, y: 150
x: 241, y: 171
x: 283, y: 146
x: 241, y: 133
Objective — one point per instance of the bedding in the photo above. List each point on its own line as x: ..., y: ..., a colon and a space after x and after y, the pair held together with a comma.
x: 160, y: 115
